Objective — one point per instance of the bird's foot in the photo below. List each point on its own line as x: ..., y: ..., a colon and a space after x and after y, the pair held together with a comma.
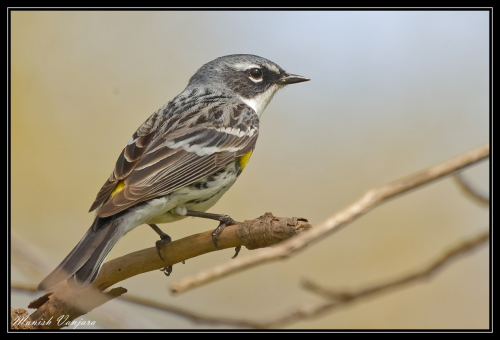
x: 164, y: 239
x: 225, y: 221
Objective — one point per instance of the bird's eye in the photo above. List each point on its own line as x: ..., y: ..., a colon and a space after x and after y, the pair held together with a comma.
x: 256, y: 73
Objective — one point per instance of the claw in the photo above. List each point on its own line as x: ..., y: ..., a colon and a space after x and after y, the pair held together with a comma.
x: 225, y: 221
x: 167, y: 270
x: 159, y: 244
x: 237, y: 251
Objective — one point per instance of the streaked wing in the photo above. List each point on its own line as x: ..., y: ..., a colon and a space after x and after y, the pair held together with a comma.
x: 128, y: 158
x: 177, y: 152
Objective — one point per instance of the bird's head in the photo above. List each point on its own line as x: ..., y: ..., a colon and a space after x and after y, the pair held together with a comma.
x: 254, y: 79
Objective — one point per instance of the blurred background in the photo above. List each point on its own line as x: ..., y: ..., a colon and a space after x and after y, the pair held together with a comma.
x: 392, y: 92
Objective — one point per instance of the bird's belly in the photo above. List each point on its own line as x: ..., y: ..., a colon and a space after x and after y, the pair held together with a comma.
x: 200, y: 195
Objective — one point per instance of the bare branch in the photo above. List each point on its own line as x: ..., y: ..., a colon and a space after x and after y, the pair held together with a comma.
x: 343, y: 298
x: 470, y: 190
x: 339, y: 298
x: 192, y: 316
x: 252, y: 234
x: 261, y: 232
x: 20, y: 319
x: 195, y: 317
x: 370, y: 199
x: 33, y: 262
x: 424, y: 273
x: 69, y: 304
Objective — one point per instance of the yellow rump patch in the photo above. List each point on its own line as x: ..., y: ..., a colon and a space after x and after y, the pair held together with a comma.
x: 119, y: 187
x: 242, y: 162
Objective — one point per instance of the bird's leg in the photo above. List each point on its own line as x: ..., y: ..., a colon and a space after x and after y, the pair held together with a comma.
x: 224, y: 220
x: 164, y: 239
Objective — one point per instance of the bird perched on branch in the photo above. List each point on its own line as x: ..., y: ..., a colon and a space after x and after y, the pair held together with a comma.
x: 180, y: 161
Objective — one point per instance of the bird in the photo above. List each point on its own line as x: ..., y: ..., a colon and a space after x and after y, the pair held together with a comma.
x: 180, y: 161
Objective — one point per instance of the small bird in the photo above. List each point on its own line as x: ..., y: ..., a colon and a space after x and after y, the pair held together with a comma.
x: 180, y: 161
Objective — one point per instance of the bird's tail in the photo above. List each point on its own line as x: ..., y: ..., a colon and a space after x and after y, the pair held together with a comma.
x: 82, y: 265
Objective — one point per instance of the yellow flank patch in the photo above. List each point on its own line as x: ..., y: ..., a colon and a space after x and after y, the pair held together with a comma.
x: 244, y: 159
x: 119, y: 187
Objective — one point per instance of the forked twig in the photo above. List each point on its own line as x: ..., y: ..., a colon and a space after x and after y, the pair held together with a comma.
x: 369, y: 200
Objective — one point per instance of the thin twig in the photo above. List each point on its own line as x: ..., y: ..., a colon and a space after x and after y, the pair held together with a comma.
x: 344, y: 298
x: 29, y: 258
x: 470, y: 190
x: 23, y: 287
x: 192, y: 316
x: 369, y: 200
x: 119, y: 269
x: 424, y: 273
x: 195, y: 317
x: 339, y: 298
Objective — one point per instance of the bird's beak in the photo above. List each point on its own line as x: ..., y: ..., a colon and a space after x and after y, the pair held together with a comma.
x: 291, y: 79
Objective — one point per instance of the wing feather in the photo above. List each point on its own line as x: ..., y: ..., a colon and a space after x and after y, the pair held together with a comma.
x: 164, y: 156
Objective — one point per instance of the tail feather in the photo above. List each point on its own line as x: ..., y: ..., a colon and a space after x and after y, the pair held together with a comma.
x: 84, y: 261
x: 88, y: 272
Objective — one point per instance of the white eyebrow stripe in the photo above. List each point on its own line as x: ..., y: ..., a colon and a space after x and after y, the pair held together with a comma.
x: 273, y: 68
x: 244, y: 66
